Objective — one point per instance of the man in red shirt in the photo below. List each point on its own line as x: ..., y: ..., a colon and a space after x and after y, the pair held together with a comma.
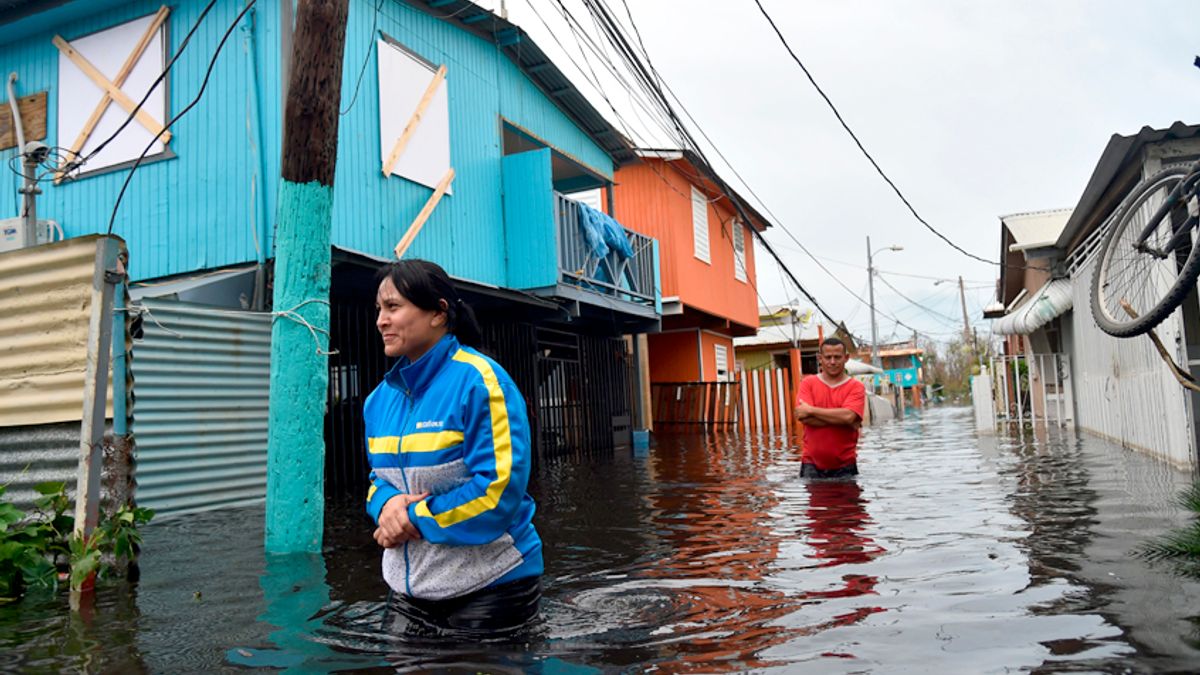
x: 830, y: 406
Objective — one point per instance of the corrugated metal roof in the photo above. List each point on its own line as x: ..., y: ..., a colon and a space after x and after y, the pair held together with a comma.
x: 1036, y: 229
x: 521, y: 49
x: 1050, y: 301
x: 780, y: 333
x: 45, y: 307
x: 1119, y: 151
x: 11, y: 10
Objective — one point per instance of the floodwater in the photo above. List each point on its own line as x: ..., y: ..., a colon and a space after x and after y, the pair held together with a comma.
x: 950, y: 553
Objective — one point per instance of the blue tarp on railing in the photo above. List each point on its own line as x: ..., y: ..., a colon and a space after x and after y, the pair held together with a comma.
x: 603, y: 233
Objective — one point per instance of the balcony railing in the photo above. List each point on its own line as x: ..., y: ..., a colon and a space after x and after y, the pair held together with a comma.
x: 629, y: 279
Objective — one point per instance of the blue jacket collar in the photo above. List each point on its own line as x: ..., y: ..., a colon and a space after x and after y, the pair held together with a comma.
x: 414, y: 377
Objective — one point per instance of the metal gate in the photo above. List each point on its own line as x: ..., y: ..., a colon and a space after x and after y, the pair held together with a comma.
x: 583, y: 403
x: 1032, y: 389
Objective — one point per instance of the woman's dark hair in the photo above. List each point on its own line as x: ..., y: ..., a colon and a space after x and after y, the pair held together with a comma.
x: 425, y: 285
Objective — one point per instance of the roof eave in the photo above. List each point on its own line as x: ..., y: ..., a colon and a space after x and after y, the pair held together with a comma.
x: 533, y: 62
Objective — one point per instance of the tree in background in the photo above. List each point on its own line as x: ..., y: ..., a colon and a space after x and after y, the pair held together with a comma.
x: 948, y: 366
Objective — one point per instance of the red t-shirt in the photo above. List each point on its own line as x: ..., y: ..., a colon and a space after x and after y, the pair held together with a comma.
x: 831, y: 447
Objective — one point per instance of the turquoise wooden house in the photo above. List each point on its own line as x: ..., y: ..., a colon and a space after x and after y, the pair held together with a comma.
x: 504, y: 151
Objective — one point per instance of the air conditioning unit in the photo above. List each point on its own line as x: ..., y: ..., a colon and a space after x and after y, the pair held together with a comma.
x: 13, y: 235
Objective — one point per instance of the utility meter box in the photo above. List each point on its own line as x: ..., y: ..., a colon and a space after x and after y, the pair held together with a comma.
x: 13, y: 235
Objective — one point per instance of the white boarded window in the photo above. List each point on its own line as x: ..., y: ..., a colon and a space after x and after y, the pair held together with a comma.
x: 700, y: 226
x: 739, y: 251
x: 722, y: 357
x: 589, y: 197
x: 404, y: 80
x: 81, y: 95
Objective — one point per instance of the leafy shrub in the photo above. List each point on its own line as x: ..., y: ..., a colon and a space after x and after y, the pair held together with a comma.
x: 35, y: 549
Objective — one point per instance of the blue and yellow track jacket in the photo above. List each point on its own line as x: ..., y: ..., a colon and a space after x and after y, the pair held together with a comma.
x: 453, y: 424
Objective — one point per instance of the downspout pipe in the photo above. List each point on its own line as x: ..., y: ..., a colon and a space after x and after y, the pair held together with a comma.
x: 259, y: 186
x: 17, y: 125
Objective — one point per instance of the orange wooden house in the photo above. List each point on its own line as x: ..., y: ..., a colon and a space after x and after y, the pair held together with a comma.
x: 706, y: 257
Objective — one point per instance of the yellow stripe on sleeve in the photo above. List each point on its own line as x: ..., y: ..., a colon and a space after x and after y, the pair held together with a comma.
x: 502, y: 446
x: 371, y: 491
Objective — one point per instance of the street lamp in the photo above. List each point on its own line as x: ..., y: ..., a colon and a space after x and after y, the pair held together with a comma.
x: 871, y: 287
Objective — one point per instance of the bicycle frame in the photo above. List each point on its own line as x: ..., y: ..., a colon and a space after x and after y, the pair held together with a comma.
x: 1186, y: 188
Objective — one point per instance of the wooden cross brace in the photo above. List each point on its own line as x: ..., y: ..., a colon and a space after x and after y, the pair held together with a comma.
x: 112, y: 88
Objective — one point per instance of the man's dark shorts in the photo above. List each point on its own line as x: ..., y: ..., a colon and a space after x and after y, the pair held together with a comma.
x: 811, y: 471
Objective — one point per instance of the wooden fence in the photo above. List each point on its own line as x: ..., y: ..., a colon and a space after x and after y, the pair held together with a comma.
x: 759, y: 403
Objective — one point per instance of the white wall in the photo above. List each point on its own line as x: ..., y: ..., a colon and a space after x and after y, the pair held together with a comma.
x: 1123, y: 390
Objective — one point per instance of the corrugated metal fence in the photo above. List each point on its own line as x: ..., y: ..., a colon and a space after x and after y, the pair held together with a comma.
x: 202, y: 381
x: 45, y: 304
x: 45, y: 307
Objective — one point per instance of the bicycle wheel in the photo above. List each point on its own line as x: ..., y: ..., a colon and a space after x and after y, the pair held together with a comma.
x: 1152, y: 286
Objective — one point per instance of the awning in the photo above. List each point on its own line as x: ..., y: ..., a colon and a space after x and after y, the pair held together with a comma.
x: 1048, y: 303
x: 856, y: 367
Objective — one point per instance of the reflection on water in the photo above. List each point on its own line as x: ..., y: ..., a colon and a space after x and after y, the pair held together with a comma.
x: 948, y: 553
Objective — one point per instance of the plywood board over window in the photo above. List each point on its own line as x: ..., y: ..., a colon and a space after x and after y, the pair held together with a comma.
x: 101, y: 78
x: 414, y: 116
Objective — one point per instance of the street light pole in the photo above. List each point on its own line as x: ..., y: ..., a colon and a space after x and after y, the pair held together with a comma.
x: 874, y: 325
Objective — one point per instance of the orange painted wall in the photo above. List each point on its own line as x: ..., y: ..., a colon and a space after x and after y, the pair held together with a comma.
x: 708, y: 350
x: 654, y: 198
x: 673, y: 357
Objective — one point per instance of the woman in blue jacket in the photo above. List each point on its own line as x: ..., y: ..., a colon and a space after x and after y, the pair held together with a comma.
x: 448, y: 444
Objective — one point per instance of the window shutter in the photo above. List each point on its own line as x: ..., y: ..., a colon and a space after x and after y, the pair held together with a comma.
x: 739, y: 251
x: 700, y: 226
x: 722, y: 358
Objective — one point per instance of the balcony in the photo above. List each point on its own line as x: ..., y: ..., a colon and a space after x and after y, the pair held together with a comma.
x: 548, y: 252
x: 629, y: 279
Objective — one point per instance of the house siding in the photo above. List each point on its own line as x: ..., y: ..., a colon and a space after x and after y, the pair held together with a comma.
x: 466, y: 232
x: 654, y: 198
x: 196, y: 210
x: 674, y: 357
x: 708, y: 343
x: 199, y: 209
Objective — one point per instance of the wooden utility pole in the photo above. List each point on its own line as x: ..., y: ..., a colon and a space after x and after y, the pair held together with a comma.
x: 962, y: 296
x: 299, y: 360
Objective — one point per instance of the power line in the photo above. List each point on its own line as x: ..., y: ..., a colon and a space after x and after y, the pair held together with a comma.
x: 857, y: 142
x: 366, y: 58
x: 203, y: 85
x: 71, y: 165
x: 914, y: 303
x: 648, y: 76
x: 597, y: 6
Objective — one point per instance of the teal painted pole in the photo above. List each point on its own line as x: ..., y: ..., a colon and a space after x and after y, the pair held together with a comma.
x: 299, y: 334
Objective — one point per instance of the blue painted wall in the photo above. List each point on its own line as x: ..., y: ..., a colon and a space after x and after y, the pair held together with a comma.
x: 466, y: 233
x: 531, y: 236
x: 200, y: 209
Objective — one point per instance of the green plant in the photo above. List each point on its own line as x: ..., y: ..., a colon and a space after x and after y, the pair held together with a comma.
x: 1181, y: 546
x: 35, y: 548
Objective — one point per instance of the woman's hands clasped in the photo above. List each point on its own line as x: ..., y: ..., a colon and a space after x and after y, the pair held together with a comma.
x: 395, y: 528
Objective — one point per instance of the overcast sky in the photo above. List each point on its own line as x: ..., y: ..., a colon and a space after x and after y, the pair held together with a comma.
x: 975, y: 109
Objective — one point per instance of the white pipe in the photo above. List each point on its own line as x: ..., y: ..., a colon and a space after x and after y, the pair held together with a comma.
x: 20, y: 128
x: 12, y: 103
